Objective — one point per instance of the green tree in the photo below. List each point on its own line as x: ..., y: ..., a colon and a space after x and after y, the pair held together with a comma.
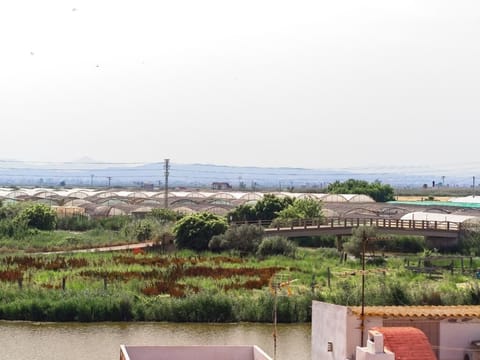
x: 265, y: 209
x: 38, y: 216
x: 242, y: 212
x: 376, y: 190
x: 195, y: 231
x: 302, y: 209
x: 270, y: 205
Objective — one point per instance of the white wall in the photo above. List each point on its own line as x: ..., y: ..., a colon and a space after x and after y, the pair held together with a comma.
x: 193, y: 352
x: 456, y: 336
x: 329, y: 323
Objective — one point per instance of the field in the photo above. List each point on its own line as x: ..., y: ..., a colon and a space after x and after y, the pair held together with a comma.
x: 186, y: 286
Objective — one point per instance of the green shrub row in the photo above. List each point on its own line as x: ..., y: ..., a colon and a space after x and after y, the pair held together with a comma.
x: 201, y: 307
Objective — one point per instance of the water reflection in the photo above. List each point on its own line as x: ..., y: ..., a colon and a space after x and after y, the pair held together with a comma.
x: 73, y: 341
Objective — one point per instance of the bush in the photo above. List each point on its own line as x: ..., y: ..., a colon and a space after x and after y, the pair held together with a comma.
x: 401, y: 244
x: 114, y: 223
x: 276, y: 245
x: 195, y: 231
x: 244, y: 238
x: 354, y: 246
x: 76, y: 223
x: 165, y: 215
x: 325, y: 241
x: 38, y: 216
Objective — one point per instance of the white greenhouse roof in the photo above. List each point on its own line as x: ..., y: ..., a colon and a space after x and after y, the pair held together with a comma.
x: 467, y: 199
x: 426, y: 216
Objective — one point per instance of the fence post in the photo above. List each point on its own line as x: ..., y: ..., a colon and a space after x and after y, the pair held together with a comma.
x: 328, y: 277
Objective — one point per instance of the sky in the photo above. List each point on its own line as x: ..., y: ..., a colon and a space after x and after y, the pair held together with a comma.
x: 316, y: 84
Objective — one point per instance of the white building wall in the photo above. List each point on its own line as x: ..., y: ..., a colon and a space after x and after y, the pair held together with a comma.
x: 457, y: 336
x: 329, y: 324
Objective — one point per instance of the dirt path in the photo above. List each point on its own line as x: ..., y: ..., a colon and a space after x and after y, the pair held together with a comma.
x: 102, y: 249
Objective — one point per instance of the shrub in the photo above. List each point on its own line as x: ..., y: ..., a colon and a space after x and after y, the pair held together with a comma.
x: 195, y: 231
x: 276, y: 245
x: 165, y: 215
x: 75, y: 223
x: 114, y: 223
x: 143, y: 231
x: 38, y: 216
x: 354, y: 246
x: 325, y: 241
x: 244, y: 238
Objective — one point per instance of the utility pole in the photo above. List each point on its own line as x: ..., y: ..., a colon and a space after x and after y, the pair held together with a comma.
x: 166, y: 168
x: 91, y: 180
x: 364, y: 248
x: 474, y: 187
x: 109, y: 181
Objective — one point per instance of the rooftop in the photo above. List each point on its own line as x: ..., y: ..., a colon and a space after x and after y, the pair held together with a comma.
x: 462, y: 311
x: 407, y: 343
x: 201, y: 352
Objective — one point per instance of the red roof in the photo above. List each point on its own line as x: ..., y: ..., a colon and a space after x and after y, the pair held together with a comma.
x: 407, y: 343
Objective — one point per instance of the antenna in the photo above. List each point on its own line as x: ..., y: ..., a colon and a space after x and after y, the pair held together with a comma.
x: 278, y: 283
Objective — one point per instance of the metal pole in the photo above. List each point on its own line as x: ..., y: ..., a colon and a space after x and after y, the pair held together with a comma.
x: 362, y: 325
x: 167, y: 168
x: 474, y: 186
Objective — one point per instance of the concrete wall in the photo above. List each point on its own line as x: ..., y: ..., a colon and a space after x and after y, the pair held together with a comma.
x: 192, y: 352
x: 457, y: 336
x: 331, y: 323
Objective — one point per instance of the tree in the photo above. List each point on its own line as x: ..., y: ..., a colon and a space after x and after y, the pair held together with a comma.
x: 354, y: 246
x: 376, y: 190
x: 195, y: 231
x: 243, y: 212
x: 302, y: 209
x: 265, y: 209
x: 38, y: 216
x: 270, y: 205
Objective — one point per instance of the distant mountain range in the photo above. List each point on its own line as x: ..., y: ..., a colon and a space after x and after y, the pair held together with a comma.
x: 83, y: 173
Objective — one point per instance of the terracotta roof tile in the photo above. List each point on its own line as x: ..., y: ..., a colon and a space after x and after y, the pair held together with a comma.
x: 419, y: 311
x: 407, y: 343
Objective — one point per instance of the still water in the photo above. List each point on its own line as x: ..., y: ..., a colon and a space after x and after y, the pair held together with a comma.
x: 73, y: 341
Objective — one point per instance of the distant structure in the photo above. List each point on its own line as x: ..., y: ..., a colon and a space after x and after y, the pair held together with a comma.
x: 221, y: 186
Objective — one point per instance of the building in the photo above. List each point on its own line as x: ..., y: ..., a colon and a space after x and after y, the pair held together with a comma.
x: 451, y: 330
x: 192, y: 352
x: 221, y: 186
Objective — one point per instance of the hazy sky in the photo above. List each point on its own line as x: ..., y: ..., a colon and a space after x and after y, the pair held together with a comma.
x: 264, y: 83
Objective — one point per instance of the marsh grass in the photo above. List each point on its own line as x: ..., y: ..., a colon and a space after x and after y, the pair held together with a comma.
x: 220, y: 287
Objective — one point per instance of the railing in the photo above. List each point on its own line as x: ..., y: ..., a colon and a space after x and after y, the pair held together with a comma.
x: 398, y: 224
